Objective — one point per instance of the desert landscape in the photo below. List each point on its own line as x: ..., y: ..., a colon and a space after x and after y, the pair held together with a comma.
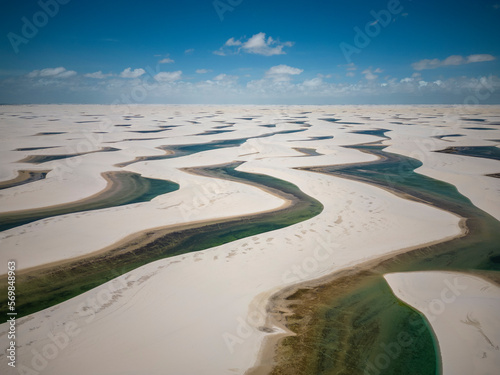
x: 212, y: 239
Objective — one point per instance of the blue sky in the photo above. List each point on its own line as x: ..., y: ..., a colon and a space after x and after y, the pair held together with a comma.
x: 250, y: 51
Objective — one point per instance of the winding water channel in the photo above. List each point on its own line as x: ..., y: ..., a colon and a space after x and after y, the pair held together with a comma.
x: 64, y: 280
x: 343, y: 324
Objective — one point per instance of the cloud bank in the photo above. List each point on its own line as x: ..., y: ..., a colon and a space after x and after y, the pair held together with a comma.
x: 59, y: 72
x: 451, y: 61
x: 278, y: 84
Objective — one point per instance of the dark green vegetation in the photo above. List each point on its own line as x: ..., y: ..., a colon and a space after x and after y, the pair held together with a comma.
x: 447, y: 135
x: 39, y: 289
x: 321, y: 138
x: 488, y: 152
x: 33, y: 148
x: 343, y: 325
x: 330, y: 119
x: 125, y: 188
x: 214, y: 132
x: 477, y: 128
x: 346, y: 326
x: 49, y: 133
x: 24, y: 177
x: 38, y: 159
x: 474, y: 119
x: 147, y: 131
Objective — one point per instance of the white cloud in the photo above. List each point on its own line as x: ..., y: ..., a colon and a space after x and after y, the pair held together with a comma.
x: 166, y: 60
x: 49, y: 72
x: 315, y: 82
x: 282, y: 73
x: 224, y: 80
x: 231, y: 42
x: 279, y: 84
x: 129, y: 73
x: 203, y: 71
x: 369, y: 74
x: 59, y: 72
x: 220, y: 77
x: 97, y: 75
x: 451, y: 61
x: 283, y: 69
x: 480, y: 58
x: 66, y: 74
x: 189, y: 51
x: 350, y: 66
x: 270, y: 89
x: 407, y: 80
x: 257, y: 44
x: 168, y: 76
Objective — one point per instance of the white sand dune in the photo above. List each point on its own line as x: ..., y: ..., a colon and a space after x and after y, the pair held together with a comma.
x: 203, y: 313
x: 463, y: 311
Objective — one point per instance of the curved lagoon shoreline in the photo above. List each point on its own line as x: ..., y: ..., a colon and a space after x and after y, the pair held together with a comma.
x: 299, y: 300
x: 122, y: 188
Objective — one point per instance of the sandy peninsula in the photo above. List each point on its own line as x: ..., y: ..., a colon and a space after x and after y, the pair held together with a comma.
x: 463, y: 311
